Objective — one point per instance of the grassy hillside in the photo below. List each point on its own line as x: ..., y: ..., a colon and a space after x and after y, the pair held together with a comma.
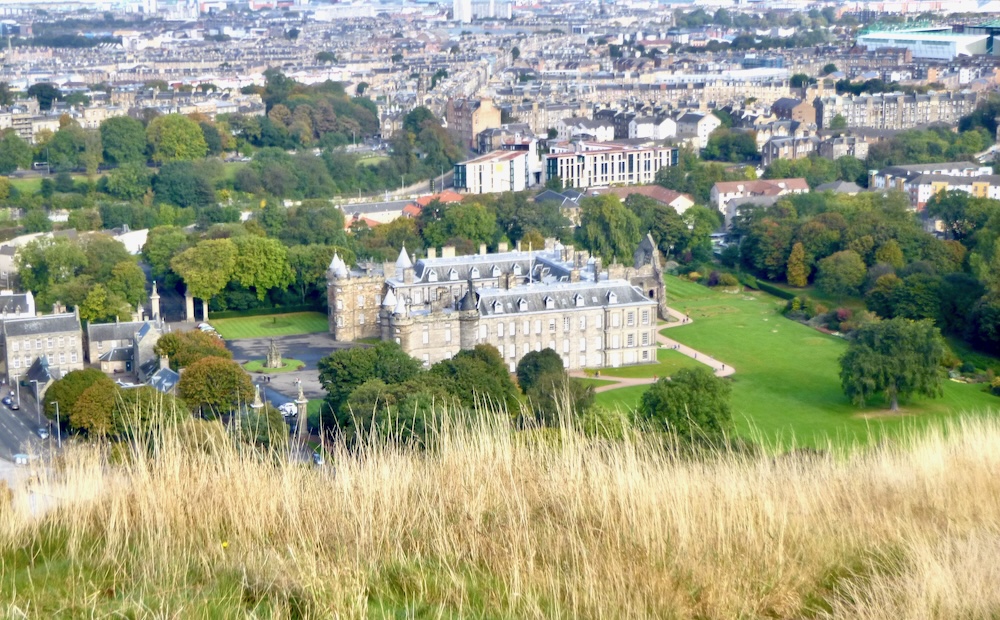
x: 497, y: 524
x: 787, y: 381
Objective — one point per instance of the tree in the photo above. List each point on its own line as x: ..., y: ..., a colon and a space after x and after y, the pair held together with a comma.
x: 181, y: 183
x: 36, y: 220
x: 103, y: 253
x: 261, y: 264
x: 515, y: 53
x: 535, y: 365
x: 67, y: 390
x: 207, y: 267
x: 128, y: 281
x: 143, y: 411
x: 91, y: 412
x: 162, y: 244
x: 549, y: 389
x: 102, y: 305
x: 265, y: 427
x: 326, y: 57
x: 797, y: 272
x: 841, y: 274
x: 46, y: 94
x: 828, y: 69
x: 174, y: 137
x: 43, y: 263
x: 130, y: 181
x: 893, y: 357
x: 478, y: 377
x: 124, y: 140
x: 186, y: 348
x: 692, y: 405
x: 889, y: 253
x: 14, y: 152
x: 309, y: 264
x: 215, y: 386
x: 608, y: 228
x: 838, y: 122
x: 345, y: 369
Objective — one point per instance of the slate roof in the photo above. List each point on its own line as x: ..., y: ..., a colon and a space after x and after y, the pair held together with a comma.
x: 41, y: 325
x: 563, y: 296
x: 118, y: 354
x: 164, y: 380
x: 16, y: 302
x: 840, y: 187
x: 98, y: 332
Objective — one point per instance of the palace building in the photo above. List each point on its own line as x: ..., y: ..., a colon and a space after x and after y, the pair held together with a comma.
x: 517, y: 301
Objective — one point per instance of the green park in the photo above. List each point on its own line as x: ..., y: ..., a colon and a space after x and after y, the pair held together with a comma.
x: 786, y: 389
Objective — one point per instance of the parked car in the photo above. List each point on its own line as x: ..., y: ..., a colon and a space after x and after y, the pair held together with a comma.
x: 14, y: 406
x: 7, y: 400
x: 43, y: 432
x: 288, y: 409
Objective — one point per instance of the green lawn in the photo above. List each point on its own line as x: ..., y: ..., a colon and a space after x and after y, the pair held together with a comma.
x: 595, y: 382
x: 287, y: 365
x: 787, y: 385
x: 668, y: 362
x: 31, y: 185
x: 271, y: 325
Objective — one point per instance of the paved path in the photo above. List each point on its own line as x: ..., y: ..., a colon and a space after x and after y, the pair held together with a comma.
x: 680, y: 319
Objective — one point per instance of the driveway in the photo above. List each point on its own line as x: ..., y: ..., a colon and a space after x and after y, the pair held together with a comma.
x: 308, y: 348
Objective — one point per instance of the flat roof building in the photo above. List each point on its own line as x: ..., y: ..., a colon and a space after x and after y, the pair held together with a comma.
x: 940, y: 45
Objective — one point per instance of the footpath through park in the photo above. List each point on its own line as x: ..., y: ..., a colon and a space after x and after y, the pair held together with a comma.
x: 680, y: 319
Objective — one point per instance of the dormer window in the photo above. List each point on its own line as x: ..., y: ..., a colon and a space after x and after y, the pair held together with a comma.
x: 498, y: 307
x: 474, y: 273
x: 453, y: 275
x: 612, y: 297
x: 579, y: 300
x: 432, y: 276
x: 495, y: 271
x: 522, y: 305
x: 517, y: 270
x: 550, y: 303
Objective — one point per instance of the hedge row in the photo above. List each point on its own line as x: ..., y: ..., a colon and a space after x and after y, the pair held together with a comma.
x: 236, y: 314
x: 774, y: 290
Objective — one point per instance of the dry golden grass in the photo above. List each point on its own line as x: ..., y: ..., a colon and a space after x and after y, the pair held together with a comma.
x: 494, y: 523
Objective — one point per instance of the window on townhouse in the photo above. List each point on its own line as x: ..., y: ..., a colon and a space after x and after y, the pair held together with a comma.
x: 72, y: 357
x: 447, y: 335
x: 630, y: 340
x: 645, y: 339
x: 645, y: 317
x: 48, y: 343
x: 630, y: 319
x: 566, y: 324
x: 552, y: 325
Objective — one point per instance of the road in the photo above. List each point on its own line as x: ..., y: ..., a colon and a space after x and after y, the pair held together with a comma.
x: 19, y: 430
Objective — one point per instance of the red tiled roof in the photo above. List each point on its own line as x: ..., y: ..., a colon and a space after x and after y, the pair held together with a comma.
x: 446, y: 196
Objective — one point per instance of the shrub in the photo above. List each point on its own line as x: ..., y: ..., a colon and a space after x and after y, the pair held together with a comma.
x: 967, y: 368
x: 694, y: 276
x: 713, y: 278
x: 728, y: 280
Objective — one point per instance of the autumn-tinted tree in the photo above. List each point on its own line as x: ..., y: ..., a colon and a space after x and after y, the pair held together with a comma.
x: 186, y: 348
x: 67, y: 390
x: 173, y: 137
x: 90, y: 411
x: 797, y: 273
x: 693, y: 405
x: 896, y: 358
x: 215, y: 386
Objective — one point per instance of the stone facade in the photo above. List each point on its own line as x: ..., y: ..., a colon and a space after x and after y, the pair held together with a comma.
x: 50, y: 344
x: 516, y: 301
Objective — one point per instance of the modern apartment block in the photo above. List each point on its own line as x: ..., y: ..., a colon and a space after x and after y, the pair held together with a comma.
x: 921, y: 181
x: 499, y: 171
x: 582, y: 164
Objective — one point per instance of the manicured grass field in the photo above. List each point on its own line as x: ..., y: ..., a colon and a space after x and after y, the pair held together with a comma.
x: 668, y: 362
x: 31, y: 185
x: 594, y: 382
x: 271, y: 325
x: 787, y: 383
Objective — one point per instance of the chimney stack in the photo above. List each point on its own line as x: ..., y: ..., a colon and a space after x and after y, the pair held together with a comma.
x: 431, y: 252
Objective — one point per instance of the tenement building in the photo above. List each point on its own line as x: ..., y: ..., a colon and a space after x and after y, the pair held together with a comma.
x: 517, y: 301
